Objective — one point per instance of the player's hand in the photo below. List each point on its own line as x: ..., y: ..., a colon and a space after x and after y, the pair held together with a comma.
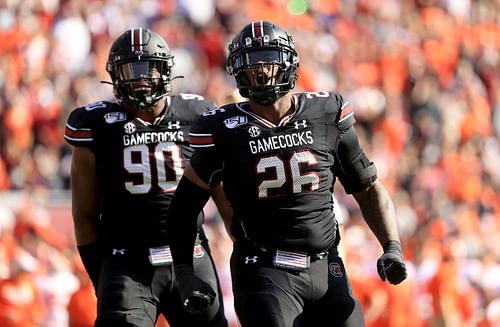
x: 196, y: 295
x: 199, y: 301
x: 391, y: 265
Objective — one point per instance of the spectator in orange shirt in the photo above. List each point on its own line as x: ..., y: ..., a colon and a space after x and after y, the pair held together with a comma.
x: 20, y: 302
x: 82, y: 306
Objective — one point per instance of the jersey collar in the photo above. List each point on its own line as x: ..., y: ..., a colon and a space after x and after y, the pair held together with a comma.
x: 243, y: 106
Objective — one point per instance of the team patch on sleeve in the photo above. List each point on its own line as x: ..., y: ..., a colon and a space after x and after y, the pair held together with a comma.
x: 198, y: 140
x: 77, y: 134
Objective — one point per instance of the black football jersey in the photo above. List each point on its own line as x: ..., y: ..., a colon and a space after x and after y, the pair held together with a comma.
x: 279, y: 178
x: 138, y: 164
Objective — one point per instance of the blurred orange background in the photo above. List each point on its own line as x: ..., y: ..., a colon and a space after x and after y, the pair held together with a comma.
x: 423, y: 78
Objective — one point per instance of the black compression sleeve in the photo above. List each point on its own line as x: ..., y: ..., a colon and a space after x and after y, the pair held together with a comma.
x: 356, y: 172
x: 92, y: 261
x: 208, y: 165
x: 188, y: 201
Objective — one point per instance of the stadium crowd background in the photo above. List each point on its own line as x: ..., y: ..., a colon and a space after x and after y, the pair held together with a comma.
x: 423, y: 78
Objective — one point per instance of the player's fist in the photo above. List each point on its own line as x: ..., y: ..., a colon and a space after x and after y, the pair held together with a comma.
x: 199, y: 301
x: 196, y: 295
x: 391, y: 265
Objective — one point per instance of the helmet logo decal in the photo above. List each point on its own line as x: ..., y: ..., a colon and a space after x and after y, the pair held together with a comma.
x: 136, y: 41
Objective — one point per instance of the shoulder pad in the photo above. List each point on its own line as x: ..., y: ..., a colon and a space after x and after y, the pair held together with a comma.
x: 209, y: 123
x: 219, y: 112
x: 329, y: 101
x: 194, y: 100
x: 189, y: 106
x: 345, y: 117
x: 82, y: 120
x: 329, y: 106
x: 336, y: 104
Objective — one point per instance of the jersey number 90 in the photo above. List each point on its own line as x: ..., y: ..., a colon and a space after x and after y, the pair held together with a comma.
x: 163, y: 152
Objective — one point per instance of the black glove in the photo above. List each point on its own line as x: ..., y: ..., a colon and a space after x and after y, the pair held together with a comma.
x: 196, y: 295
x: 391, y: 265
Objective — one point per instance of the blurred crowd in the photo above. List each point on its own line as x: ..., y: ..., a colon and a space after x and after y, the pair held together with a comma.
x: 423, y: 78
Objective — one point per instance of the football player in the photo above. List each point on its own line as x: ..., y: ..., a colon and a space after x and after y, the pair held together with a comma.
x: 128, y: 157
x: 278, y: 156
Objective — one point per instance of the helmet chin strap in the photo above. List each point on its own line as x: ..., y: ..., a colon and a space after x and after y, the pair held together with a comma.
x: 144, y: 101
x: 144, y: 106
x: 148, y: 105
x: 149, y: 102
x: 140, y: 106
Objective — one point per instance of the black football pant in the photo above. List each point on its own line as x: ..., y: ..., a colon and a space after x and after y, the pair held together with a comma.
x: 268, y: 296
x: 132, y: 292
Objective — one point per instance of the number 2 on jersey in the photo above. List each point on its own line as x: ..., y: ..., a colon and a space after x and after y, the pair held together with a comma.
x: 299, y: 179
x: 166, y: 183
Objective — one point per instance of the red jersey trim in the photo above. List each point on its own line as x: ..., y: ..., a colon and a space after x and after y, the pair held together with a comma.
x: 201, y: 140
x: 78, y: 133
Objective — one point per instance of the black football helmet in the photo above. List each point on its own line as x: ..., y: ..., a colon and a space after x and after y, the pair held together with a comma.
x: 140, y: 66
x: 264, y: 62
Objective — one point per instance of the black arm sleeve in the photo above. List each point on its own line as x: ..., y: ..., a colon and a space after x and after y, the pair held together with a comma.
x: 188, y: 201
x: 354, y: 170
x: 91, y: 256
x: 208, y: 165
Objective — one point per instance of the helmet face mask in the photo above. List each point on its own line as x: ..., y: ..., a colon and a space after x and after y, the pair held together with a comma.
x: 140, y: 66
x: 263, y: 60
x: 263, y: 68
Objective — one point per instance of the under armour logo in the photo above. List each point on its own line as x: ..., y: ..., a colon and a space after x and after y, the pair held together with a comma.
x: 251, y: 259
x: 118, y: 251
x: 174, y: 124
x: 302, y: 124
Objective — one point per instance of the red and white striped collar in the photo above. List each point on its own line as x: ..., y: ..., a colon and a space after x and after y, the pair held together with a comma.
x: 243, y: 106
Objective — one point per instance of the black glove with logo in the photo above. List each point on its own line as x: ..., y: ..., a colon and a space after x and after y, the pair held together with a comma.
x: 196, y: 295
x: 391, y: 265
